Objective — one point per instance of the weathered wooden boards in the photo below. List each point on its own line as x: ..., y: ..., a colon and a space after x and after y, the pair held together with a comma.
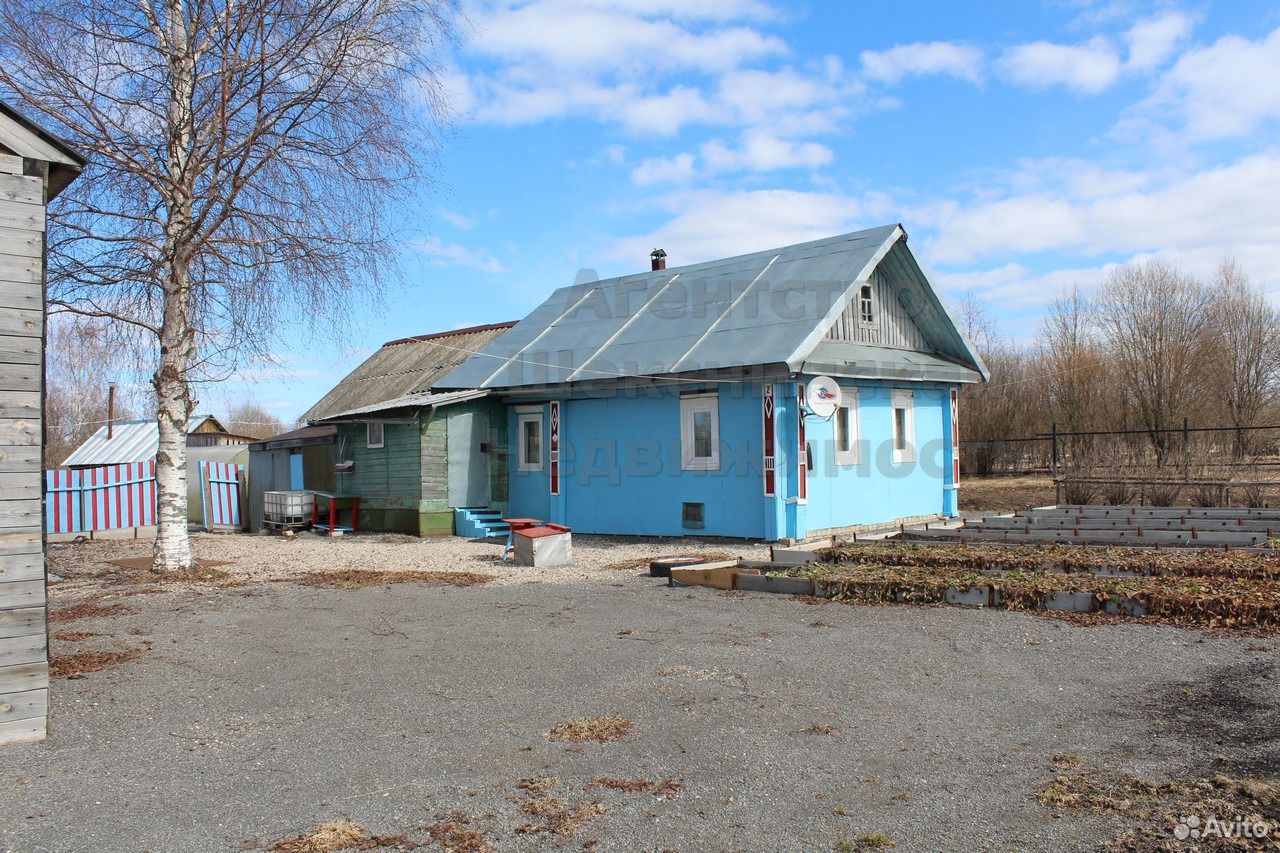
x: 24, y: 653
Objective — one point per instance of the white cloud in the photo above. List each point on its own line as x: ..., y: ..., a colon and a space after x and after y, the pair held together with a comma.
x: 1086, y: 68
x: 709, y: 225
x: 440, y: 253
x: 921, y: 58
x: 1223, y: 209
x: 663, y: 170
x: 457, y: 220
x: 1153, y: 40
x: 1226, y: 89
x: 761, y: 151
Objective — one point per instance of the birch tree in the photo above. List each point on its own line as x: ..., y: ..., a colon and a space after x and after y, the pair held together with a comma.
x: 244, y: 159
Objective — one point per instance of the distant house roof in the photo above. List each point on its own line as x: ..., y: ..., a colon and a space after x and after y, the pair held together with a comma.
x: 401, y: 369
x: 770, y: 309
x: 137, y: 441
x: 25, y: 138
x: 131, y: 441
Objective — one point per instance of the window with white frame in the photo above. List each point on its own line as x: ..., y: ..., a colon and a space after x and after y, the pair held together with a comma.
x: 904, y: 427
x: 529, y: 438
x: 866, y: 307
x: 373, y: 434
x: 846, y: 428
x: 700, y: 433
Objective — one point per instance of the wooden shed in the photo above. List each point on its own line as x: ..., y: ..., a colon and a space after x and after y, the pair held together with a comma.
x: 34, y: 167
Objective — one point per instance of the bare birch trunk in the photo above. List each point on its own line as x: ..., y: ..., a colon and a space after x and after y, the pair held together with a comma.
x: 172, y: 551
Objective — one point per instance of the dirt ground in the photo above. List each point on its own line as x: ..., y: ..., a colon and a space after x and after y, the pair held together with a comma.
x: 596, y: 709
x: 1005, y: 494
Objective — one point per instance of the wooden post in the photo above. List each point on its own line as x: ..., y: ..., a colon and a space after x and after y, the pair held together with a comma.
x: 1186, y: 450
x: 1053, y: 457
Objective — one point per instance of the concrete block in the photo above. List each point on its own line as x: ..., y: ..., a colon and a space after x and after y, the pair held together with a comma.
x: 775, y: 583
x: 1074, y: 602
x: 972, y: 596
x: 1123, y: 605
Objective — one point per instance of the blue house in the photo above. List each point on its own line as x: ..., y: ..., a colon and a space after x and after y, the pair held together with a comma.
x: 683, y: 401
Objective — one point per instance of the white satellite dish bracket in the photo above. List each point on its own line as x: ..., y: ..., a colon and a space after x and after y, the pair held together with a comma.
x: 823, y: 396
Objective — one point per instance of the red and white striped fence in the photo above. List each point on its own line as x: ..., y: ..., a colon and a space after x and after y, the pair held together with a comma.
x: 106, y: 498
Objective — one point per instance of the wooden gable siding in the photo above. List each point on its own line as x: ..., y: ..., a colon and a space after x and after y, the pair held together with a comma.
x: 891, y: 325
x: 24, y: 659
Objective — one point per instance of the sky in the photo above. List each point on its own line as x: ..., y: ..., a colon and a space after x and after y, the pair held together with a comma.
x: 1025, y: 148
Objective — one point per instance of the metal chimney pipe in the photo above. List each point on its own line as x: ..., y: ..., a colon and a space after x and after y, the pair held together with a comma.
x: 111, y: 409
x: 659, y: 259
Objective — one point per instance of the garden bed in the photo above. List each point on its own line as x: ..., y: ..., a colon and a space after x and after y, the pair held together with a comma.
x: 1190, y: 601
x: 1059, y: 558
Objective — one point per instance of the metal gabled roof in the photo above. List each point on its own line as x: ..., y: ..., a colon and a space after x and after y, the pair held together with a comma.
x: 768, y: 308
x: 131, y: 441
x: 402, y: 368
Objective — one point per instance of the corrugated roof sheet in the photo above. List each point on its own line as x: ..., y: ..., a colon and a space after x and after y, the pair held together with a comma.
x: 765, y: 308
x: 131, y: 441
x: 402, y: 368
x: 416, y: 400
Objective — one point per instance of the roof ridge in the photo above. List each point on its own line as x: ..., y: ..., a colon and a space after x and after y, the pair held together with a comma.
x: 466, y: 330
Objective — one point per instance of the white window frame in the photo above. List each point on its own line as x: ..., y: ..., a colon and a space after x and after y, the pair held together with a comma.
x: 869, y: 319
x: 530, y: 415
x: 689, y: 405
x: 905, y: 400
x: 368, y: 435
x: 849, y: 404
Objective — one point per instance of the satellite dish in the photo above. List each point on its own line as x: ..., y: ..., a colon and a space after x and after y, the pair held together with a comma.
x: 823, y: 396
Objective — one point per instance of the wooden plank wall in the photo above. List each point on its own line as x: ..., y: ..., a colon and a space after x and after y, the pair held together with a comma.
x: 892, y: 325
x: 24, y: 660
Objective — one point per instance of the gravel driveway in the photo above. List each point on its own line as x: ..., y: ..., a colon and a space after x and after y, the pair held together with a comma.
x: 257, y: 711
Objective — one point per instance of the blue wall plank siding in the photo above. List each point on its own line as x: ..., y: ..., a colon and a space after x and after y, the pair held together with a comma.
x: 622, y: 470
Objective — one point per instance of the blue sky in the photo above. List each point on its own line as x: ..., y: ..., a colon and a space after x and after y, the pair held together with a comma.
x: 1025, y: 147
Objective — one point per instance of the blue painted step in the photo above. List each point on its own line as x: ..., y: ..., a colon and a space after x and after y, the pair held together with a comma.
x: 479, y: 522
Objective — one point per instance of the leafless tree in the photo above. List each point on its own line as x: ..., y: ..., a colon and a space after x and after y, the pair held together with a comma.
x: 1245, y: 352
x: 1156, y: 321
x: 249, y: 418
x: 243, y: 154
x: 83, y: 361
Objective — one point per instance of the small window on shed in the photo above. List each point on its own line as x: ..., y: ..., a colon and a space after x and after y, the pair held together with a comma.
x: 866, y: 307
x: 693, y: 516
x: 373, y: 434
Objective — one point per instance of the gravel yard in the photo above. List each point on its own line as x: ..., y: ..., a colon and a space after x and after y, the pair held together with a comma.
x: 255, y: 710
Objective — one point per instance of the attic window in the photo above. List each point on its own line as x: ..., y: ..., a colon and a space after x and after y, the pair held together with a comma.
x: 866, y: 311
x: 373, y: 434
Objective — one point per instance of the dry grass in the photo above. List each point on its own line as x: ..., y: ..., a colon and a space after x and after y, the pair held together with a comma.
x: 558, y: 818
x: 821, y: 729
x: 453, y: 833
x: 324, y: 838
x: 81, y: 663
x: 600, y: 729
x: 357, y: 578
x: 538, y: 785
x: 73, y: 636
x: 86, y: 610
x: 643, y: 562
x: 1153, y: 808
x: 663, y: 790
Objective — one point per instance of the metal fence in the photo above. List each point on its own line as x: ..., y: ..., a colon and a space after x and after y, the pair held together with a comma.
x: 83, y: 500
x: 115, y: 497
